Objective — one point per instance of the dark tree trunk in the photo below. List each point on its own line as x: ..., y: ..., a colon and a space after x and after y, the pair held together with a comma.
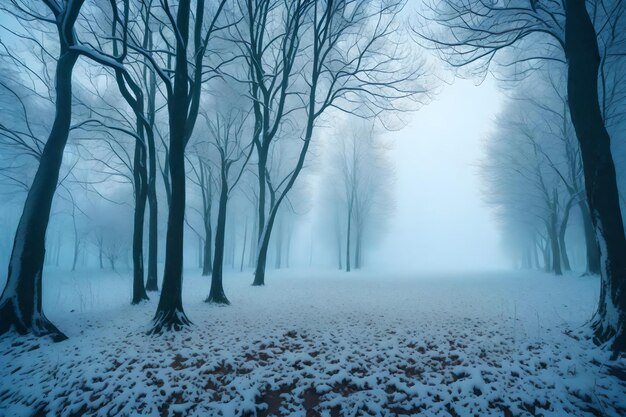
x: 591, y: 244
x: 554, y: 245
x: 263, y: 247
x: 216, y: 294
x: 207, y: 264
x: 170, y: 314
x: 153, y: 228
x: 562, y: 232
x: 206, y: 187
x: 581, y: 49
x: 21, y: 301
x: 165, y: 174
x: 261, y: 167
x: 259, y: 271
x: 141, y: 194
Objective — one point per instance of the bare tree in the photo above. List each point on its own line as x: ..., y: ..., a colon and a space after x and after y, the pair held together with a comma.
x: 358, y: 180
x: 354, y: 64
x: 20, y: 304
x: 226, y: 134
x: 181, y: 94
x: 204, y: 179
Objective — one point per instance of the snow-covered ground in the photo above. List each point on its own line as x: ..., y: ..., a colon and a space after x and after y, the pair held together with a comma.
x: 320, y: 344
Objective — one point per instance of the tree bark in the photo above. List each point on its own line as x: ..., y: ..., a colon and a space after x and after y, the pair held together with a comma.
x: 261, y: 167
x: 562, y: 232
x: 261, y: 260
x: 216, y: 294
x: 207, y: 263
x: 170, y: 314
x: 591, y: 245
x: 153, y: 228
x: 140, y: 177
x: 581, y: 50
x: 554, y: 244
x: 206, y: 188
x: 21, y: 301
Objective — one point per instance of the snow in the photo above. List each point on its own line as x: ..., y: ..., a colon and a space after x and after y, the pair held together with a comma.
x: 319, y: 343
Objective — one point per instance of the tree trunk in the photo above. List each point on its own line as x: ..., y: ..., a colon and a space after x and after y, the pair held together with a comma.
x: 591, y: 244
x: 153, y: 228
x: 141, y: 194
x: 207, y: 264
x: 554, y: 245
x: 261, y: 166
x: 170, y: 314
x: 259, y: 270
x: 216, y: 295
x: 21, y: 301
x: 206, y: 188
x: 581, y: 49
x: 562, y: 231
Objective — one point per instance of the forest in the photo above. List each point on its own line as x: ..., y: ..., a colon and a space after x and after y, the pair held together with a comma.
x: 313, y: 208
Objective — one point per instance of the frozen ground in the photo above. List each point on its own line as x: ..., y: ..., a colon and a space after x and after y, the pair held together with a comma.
x: 320, y: 344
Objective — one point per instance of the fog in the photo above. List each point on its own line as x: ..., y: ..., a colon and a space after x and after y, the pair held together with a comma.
x: 441, y: 220
x: 257, y: 208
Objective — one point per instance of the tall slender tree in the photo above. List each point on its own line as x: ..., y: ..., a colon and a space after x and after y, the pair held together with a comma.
x: 21, y: 301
